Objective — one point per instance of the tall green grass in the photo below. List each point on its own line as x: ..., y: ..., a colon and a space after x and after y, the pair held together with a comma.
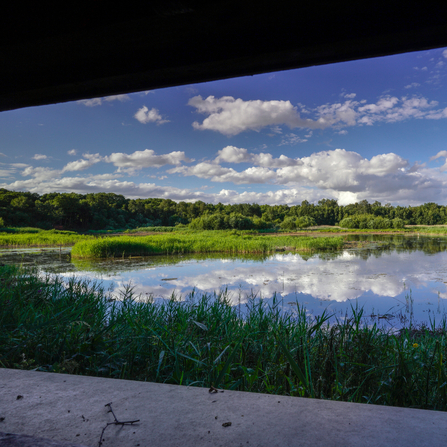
x: 428, y: 229
x: 20, y: 230
x: 78, y: 328
x: 407, y: 229
x: 357, y: 230
x: 157, y: 229
x: 198, y: 242
x: 50, y: 237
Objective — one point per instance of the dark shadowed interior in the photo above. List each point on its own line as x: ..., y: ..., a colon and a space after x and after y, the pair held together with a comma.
x: 62, y: 53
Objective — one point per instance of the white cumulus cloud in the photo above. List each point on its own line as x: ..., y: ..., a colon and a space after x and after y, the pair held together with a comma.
x: 219, y: 174
x: 144, y: 116
x: 441, y: 154
x: 79, y: 165
x: 232, y: 154
x: 39, y: 157
x: 145, y: 159
x: 231, y: 116
x: 391, y: 109
x: 40, y: 174
x: 344, y: 175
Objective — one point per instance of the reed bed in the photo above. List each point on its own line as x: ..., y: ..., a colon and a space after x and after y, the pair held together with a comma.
x: 435, y: 229
x: 20, y: 230
x: 198, y: 242
x: 408, y: 229
x: 157, y: 229
x: 43, y: 237
x: 78, y: 328
x: 358, y: 230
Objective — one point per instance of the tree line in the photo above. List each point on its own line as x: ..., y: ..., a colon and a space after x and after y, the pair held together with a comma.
x: 109, y: 211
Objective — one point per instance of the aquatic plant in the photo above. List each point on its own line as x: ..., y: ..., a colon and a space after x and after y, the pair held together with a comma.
x: 199, y: 242
x: 156, y: 229
x: 201, y: 340
x: 435, y: 229
x: 42, y: 237
x: 20, y: 230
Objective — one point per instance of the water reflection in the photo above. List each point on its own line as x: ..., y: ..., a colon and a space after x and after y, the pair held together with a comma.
x: 397, y: 277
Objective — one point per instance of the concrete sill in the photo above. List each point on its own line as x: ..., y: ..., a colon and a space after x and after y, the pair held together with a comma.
x: 71, y: 409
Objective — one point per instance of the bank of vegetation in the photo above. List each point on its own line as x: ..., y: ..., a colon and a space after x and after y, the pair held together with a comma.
x: 108, y: 212
x: 372, y: 222
x: 231, y: 242
x: 36, y: 237
x: 78, y: 328
x: 183, y: 239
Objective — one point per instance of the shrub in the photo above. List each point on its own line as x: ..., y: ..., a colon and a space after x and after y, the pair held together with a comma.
x: 347, y: 222
x: 289, y: 223
x: 364, y: 221
x: 305, y: 221
x: 398, y: 223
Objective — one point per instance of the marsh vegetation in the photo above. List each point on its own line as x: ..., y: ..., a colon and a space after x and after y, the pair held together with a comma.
x: 198, y: 242
x: 15, y: 237
x: 78, y: 328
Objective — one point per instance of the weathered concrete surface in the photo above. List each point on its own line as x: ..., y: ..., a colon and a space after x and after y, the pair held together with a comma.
x: 72, y: 409
x: 17, y: 440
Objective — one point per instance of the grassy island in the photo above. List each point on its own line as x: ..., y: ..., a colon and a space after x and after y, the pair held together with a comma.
x: 78, y: 328
x: 199, y: 242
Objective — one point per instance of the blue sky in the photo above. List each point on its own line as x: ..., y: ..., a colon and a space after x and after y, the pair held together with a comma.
x: 372, y: 129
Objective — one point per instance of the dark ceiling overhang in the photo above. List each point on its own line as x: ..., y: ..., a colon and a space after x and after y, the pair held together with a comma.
x: 51, y: 55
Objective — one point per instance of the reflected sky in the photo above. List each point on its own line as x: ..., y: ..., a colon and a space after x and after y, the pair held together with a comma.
x: 393, y: 283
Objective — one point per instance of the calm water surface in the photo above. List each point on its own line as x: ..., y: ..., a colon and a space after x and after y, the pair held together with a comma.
x: 394, y: 278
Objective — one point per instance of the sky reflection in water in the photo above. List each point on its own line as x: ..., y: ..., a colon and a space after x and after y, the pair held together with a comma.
x: 403, y: 281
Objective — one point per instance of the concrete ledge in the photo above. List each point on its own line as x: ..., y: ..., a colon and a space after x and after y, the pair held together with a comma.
x: 17, y: 440
x: 71, y: 409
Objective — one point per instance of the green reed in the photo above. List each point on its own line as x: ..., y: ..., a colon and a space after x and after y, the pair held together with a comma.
x: 199, y: 242
x: 43, y: 237
x: 202, y: 340
x: 428, y: 229
x: 20, y: 230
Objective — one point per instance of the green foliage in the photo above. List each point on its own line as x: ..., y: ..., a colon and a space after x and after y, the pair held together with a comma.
x: 198, y: 242
x: 201, y: 340
x: 289, y: 224
x: 233, y: 221
x: 398, y: 223
x: 154, y: 229
x: 348, y: 222
x: 108, y: 212
x: 22, y: 230
x: 305, y: 222
x: 41, y: 237
x: 372, y: 222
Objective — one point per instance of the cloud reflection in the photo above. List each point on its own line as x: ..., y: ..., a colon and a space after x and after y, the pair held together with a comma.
x: 347, y: 276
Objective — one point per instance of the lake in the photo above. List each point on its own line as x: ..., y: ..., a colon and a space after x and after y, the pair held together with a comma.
x: 396, y: 279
